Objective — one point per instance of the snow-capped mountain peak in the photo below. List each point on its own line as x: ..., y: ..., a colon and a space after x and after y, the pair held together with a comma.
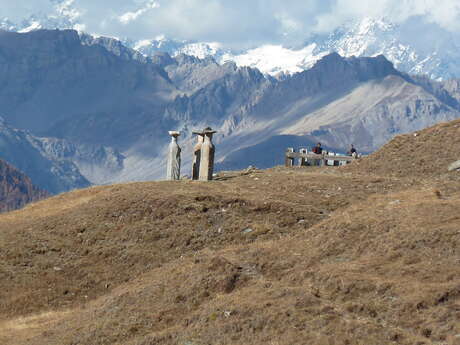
x: 176, y: 47
x: 415, y: 46
x: 365, y: 37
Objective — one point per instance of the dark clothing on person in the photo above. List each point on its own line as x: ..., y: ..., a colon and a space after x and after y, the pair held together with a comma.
x: 318, y: 150
x: 352, y: 151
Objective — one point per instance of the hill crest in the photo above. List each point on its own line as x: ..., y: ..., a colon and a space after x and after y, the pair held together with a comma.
x: 340, y: 254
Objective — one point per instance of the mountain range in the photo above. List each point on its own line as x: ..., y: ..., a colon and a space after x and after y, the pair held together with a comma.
x: 94, y: 111
x: 414, y: 47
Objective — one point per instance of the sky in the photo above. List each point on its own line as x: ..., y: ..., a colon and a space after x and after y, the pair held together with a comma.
x: 232, y: 22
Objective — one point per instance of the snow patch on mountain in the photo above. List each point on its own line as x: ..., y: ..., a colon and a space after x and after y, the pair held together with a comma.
x: 34, y: 25
x: 176, y: 47
x: 274, y: 59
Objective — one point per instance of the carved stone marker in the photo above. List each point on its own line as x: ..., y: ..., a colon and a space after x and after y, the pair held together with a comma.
x: 173, y: 167
x: 197, y: 155
x: 207, y: 156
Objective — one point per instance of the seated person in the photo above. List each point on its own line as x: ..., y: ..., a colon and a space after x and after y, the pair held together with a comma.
x: 318, y: 149
x: 352, y: 151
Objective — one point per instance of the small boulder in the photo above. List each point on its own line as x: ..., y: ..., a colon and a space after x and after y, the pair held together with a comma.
x: 454, y: 166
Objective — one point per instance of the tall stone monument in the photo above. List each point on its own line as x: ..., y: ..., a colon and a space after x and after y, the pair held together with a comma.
x: 207, y: 156
x: 197, y: 155
x: 174, y: 161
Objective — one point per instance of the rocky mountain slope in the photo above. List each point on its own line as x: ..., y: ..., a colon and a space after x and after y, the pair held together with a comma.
x: 29, y: 154
x: 73, y: 79
x: 102, y: 98
x: 16, y: 189
x: 57, y: 165
x: 323, y: 255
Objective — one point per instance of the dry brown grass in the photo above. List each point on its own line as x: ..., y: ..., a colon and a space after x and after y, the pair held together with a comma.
x: 417, y: 155
x: 331, y: 257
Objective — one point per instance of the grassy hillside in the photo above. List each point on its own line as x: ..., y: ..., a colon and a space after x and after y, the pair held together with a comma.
x: 423, y: 154
x: 348, y: 255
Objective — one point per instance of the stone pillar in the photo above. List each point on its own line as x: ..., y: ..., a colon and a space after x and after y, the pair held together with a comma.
x: 197, y: 155
x: 174, y: 161
x: 207, y: 156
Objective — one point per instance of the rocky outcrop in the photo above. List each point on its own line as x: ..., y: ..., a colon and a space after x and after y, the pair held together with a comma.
x: 16, y: 189
x: 190, y: 74
x: 58, y: 165
x: 27, y: 153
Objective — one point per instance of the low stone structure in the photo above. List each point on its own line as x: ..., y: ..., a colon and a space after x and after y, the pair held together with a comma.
x: 313, y: 159
x: 174, y: 158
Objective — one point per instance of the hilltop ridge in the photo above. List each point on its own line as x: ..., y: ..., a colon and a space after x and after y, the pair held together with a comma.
x: 423, y: 154
x: 288, y: 256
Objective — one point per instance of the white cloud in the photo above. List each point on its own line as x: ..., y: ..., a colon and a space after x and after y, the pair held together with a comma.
x: 131, y: 16
x: 235, y: 22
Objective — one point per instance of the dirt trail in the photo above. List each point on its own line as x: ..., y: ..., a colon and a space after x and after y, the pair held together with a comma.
x: 22, y: 330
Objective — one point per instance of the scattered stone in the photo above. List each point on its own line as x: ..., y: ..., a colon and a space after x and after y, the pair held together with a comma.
x: 454, y: 166
x: 247, y: 231
x: 249, y: 170
x: 437, y: 193
x: 57, y: 269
